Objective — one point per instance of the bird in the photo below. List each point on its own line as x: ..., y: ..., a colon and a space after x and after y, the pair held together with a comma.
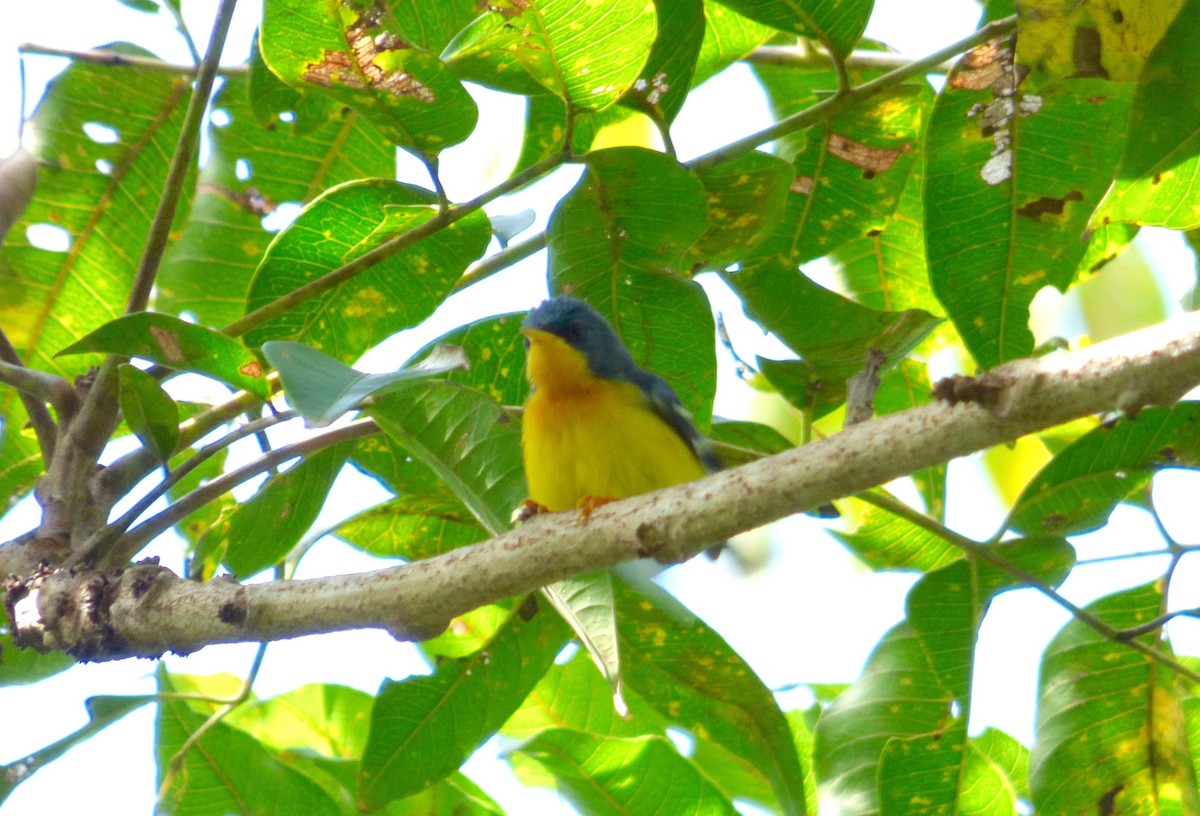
x: 597, y: 426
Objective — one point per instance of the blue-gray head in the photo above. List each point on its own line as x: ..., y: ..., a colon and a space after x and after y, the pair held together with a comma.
x: 586, y: 330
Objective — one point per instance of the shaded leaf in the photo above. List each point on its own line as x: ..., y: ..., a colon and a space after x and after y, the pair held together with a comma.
x: 887, y: 541
x: 411, y: 527
x: 265, y: 528
x: 423, y: 728
x: 1082, y: 485
x: 21, y: 666
x: 496, y: 350
x: 395, y: 294
x: 728, y: 36
x: 353, y: 51
x: 617, y: 240
x: 179, y: 345
x: 1111, y: 730
x: 830, y: 333
x: 666, y: 78
x: 322, y: 388
x: 746, y: 198
x: 149, y: 411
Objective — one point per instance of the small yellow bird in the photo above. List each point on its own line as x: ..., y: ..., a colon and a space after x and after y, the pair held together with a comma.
x: 598, y: 427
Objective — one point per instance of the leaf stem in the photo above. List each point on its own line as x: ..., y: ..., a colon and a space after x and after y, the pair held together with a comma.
x: 836, y: 104
x: 886, y: 501
x: 36, y: 388
x: 98, y: 57
x: 392, y: 246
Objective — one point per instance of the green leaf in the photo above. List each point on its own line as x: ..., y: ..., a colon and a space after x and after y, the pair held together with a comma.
x: 354, y: 52
x: 423, y: 728
x: 887, y: 541
x: 180, y: 345
x: 456, y: 795
x: 1114, y: 751
x: 470, y: 442
x: 663, y: 85
x: 886, y: 269
x: 100, y: 197
x: 830, y: 333
x: 1012, y: 178
x: 838, y: 25
x: 613, y: 775
x: 149, y: 411
x: 21, y: 666
x: 544, y: 37
x: 849, y: 171
x: 227, y: 770
x: 693, y: 677
x: 432, y: 25
x: 996, y: 769
x: 322, y: 717
x: 208, y: 270
x: 1157, y: 178
x: 141, y: 5
x: 411, y: 527
x: 738, y: 441
x: 1082, y: 485
x: 102, y: 712
x: 617, y: 240
x: 496, y: 350
x: 746, y: 199
x: 728, y: 36
x: 881, y: 756
x: 586, y: 603
x: 322, y: 388
x: 266, y: 527
x: 395, y: 294
x: 546, y: 128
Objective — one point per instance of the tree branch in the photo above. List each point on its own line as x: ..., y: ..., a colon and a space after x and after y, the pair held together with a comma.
x: 122, y: 60
x: 146, y: 610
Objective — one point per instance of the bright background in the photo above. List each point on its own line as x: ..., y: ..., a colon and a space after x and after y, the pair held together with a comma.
x: 798, y: 606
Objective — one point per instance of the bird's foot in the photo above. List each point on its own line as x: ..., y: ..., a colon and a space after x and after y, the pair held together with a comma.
x: 526, y: 510
x: 588, y: 504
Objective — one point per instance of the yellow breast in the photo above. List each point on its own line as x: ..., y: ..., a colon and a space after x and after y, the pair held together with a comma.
x: 587, y: 437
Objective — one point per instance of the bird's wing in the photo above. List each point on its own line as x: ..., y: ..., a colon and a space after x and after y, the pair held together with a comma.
x: 664, y: 402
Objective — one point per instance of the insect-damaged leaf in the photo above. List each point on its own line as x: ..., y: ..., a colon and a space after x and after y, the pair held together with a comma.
x: 1002, y: 215
x: 353, y: 51
x: 180, y: 345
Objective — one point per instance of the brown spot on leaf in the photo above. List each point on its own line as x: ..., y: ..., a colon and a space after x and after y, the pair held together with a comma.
x: 873, y: 160
x: 1048, y: 206
x: 1085, y: 54
x: 985, y: 66
x: 168, y: 341
x: 252, y: 369
x: 359, y: 68
x: 802, y: 185
x: 1157, y: 178
x: 1106, y: 804
x: 251, y: 201
x: 1098, y: 99
x: 1118, y: 16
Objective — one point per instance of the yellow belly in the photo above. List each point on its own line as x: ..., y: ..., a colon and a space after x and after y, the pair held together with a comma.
x: 601, y: 443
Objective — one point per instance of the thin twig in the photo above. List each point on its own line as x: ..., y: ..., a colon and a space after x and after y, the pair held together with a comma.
x: 131, y: 542
x: 973, y: 548
x: 95, y: 549
x: 503, y: 259
x: 804, y: 56
x: 98, y: 57
x: 35, y: 391
x: 836, y: 104
x: 392, y: 246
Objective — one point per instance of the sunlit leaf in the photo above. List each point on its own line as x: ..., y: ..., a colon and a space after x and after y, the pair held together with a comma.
x: 395, y: 294
x: 423, y: 728
x: 353, y: 51
x: 837, y: 25
x: 586, y: 602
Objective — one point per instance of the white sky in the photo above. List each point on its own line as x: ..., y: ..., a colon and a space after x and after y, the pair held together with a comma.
x: 811, y: 616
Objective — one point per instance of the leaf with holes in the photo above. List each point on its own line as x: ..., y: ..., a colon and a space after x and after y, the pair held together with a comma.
x: 353, y: 51
x: 1012, y: 177
x: 394, y: 294
x: 618, y: 241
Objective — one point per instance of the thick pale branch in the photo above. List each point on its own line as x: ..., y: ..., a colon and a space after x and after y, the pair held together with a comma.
x: 147, y: 610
